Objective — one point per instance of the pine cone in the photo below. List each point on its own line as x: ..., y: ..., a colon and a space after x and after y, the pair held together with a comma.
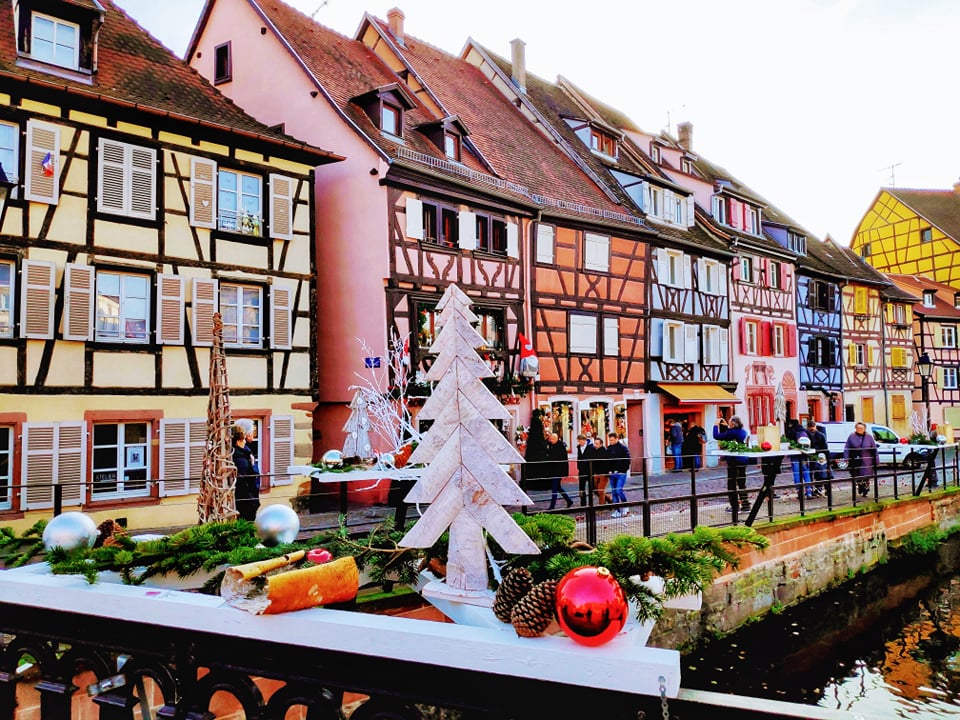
x: 515, y: 585
x: 535, y: 610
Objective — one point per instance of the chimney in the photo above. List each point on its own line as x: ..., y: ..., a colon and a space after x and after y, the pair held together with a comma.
x: 685, y: 135
x: 395, y: 19
x: 518, y: 64
x: 956, y: 188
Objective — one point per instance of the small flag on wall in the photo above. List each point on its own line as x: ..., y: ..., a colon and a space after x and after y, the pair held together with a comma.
x: 47, y: 165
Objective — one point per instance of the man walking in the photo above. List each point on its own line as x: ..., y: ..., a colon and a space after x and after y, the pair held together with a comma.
x: 619, y: 462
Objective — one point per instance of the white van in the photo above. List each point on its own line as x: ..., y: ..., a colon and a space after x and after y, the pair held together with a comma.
x: 890, y: 447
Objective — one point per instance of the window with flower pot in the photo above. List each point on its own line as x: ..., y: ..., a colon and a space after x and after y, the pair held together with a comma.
x: 239, y: 202
x: 121, y: 460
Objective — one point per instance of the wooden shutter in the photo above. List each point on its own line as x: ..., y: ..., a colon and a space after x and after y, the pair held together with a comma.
x: 170, y: 300
x: 860, y: 301
x: 182, y: 445
x: 687, y: 275
x: 852, y: 355
x: 53, y: 453
x: 791, y: 340
x: 909, y: 315
x: 281, y: 316
x: 898, y: 357
x: 513, y: 241
x: 737, y: 268
x: 36, y: 304
x: 724, y: 347
x: 79, y: 282
x: 784, y: 276
x: 899, y: 409
x: 736, y: 214
x: 42, y: 176
x: 467, y: 234
x: 281, y: 207
x: 744, y: 350
x: 143, y: 182
x: 281, y: 449
x: 656, y: 337
x: 545, y: 242
x: 869, y: 355
x: 691, y: 211
x: 205, y: 304
x: 722, y: 278
x: 414, y: 219
x: 766, y: 337
x: 661, y: 265
x: 111, y: 186
x: 888, y: 312
x: 203, y: 192
x: 691, y: 351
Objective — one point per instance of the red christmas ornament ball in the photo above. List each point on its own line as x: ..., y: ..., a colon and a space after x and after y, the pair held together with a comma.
x: 765, y: 446
x: 591, y: 606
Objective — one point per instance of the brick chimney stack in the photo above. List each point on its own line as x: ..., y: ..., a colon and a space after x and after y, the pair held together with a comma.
x: 518, y: 66
x: 395, y: 18
x: 685, y: 135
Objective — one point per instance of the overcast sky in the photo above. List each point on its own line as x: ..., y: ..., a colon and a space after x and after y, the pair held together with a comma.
x: 815, y: 104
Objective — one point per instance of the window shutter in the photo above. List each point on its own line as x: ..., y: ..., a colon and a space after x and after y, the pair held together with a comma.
x: 143, y: 182
x: 737, y: 268
x: 852, y: 355
x: 860, y: 301
x: 182, y: 445
x: 281, y: 316
x: 647, y: 199
x: 545, y: 243
x: 668, y: 205
x: 736, y: 214
x: 784, y: 276
x: 204, y: 306
x: 691, y: 211
x: 42, y: 181
x: 611, y: 336
x: 203, y: 195
x: 909, y: 315
x: 468, y: 231
x: 281, y: 449
x: 110, y: 191
x: 414, y: 219
x: 662, y: 271
x: 691, y: 351
x: 724, y: 347
x: 701, y: 274
x: 53, y: 454
x: 36, y: 303
x: 687, y: 279
x: 899, y: 407
x: 513, y: 241
x: 766, y: 337
x: 722, y: 279
x: 869, y: 355
x: 743, y: 336
x: 170, y: 302
x: 281, y: 206
x: 79, y: 282
x: 791, y: 340
x: 656, y: 337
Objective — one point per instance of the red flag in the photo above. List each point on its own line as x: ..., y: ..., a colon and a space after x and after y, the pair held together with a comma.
x: 526, y: 347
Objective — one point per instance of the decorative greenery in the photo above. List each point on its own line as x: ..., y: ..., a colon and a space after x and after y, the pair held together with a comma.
x: 919, y: 438
x: 734, y: 446
x: 16, y: 551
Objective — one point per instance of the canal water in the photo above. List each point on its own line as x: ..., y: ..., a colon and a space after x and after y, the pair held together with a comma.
x: 885, y: 644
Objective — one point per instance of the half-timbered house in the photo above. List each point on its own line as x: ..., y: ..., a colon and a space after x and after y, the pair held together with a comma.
x: 444, y: 183
x: 934, y: 319
x: 140, y: 202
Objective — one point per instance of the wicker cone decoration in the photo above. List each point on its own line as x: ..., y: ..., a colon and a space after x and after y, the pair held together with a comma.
x: 517, y: 583
x: 535, y: 611
x: 216, y: 500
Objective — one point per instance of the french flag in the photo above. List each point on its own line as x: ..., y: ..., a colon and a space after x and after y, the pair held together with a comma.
x: 47, y: 165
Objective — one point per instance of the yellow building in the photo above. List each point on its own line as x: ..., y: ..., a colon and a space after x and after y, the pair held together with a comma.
x: 139, y: 202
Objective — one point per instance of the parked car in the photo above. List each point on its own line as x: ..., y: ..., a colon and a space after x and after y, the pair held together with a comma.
x: 890, y: 447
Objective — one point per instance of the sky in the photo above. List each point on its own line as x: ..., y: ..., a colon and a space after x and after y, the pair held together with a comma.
x: 814, y: 104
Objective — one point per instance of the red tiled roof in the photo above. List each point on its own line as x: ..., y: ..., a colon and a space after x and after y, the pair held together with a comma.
x: 914, y: 285
x: 133, y: 68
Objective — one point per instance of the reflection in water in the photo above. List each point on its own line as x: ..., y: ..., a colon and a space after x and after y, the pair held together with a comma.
x: 884, y: 645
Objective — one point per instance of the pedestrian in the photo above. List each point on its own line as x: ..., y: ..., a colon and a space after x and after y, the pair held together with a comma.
x: 558, y: 464
x: 801, y: 470
x: 860, y: 452
x: 676, y: 445
x: 619, y: 462
x: 736, y: 464
x: 584, y: 451
x: 820, y: 466
x: 597, y: 456
x: 247, y: 490
x: 693, y: 442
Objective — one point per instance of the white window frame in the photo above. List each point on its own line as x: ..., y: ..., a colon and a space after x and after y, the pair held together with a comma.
x: 679, y: 205
x: 397, y: 113
x: 712, y: 277
x: 596, y: 252
x: 719, y: 209
x: 125, y: 453
x: 860, y: 354
x: 752, y: 221
x: 134, y: 173
x: 674, y: 341
x: 747, y: 269
x: 751, y: 333
x: 711, y: 345
x: 611, y: 336
x: 8, y: 291
x: 255, y: 230
x: 773, y: 274
x: 929, y: 298
x: 779, y: 344
x: 6, y: 479
x: 237, y: 289
x: 949, y: 378
x: 583, y: 334
x: 656, y: 202
x: 10, y: 154
x: 673, y: 264
x: 124, y: 303
x: 546, y: 243
x: 948, y: 336
x: 57, y: 24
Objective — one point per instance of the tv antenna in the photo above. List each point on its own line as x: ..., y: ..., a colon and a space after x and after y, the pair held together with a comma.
x: 320, y: 7
x: 893, y: 172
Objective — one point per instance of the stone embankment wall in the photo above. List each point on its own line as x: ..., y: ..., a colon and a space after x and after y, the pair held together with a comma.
x: 806, y: 556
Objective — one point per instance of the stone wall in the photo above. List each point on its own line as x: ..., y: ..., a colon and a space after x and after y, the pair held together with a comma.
x: 806, y: 556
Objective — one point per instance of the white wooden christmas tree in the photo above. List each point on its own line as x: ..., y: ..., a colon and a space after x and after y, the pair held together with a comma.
x: 357, y: 428
x: 463, y: 482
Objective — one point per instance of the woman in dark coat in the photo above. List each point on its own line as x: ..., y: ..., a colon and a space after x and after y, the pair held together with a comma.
x: 247, y: 491
x: 860, y: 452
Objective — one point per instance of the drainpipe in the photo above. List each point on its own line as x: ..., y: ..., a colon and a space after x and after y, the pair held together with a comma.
x: 883, y: 365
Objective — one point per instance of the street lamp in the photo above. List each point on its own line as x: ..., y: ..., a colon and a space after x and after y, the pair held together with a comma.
x: 925, y: 365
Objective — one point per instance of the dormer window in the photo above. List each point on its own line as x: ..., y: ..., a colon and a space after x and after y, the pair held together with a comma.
x: 926, y: 235
x: 929, y: 298
x: 385, y: 106
x: 655, y: 153
x: 686, y: 166
x: 56, y: 34
x: 55, y: 41
x: 390, y: 120
x: 451, y: 146
x: 602, y: 143
x: 797, y: 243
x: 447, y: 135
x: 956, y: 300
x: 720, y: 209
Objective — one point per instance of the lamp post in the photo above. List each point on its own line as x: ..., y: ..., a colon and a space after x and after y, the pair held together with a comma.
x: 925, y: 365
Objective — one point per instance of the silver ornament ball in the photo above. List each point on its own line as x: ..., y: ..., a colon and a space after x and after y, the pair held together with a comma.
x: 332, y: 459
x: 69, y: 531
x: 277, y: 524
